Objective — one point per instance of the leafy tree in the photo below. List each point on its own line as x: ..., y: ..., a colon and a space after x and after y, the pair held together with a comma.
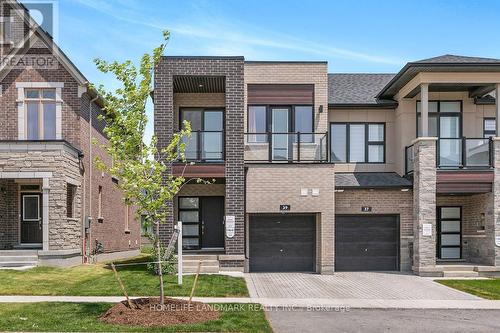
x: 144, y: 180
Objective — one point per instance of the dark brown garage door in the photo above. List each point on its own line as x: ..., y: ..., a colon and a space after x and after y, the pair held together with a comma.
x: 282, y: 243
x: 366, y: 243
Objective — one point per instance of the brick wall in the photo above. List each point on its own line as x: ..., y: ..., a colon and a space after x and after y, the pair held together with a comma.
x: 383, y: 201
x: 232, y: 69
x: 9, y: 212
x: 269, y: 186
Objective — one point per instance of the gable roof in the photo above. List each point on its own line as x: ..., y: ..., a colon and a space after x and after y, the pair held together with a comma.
x: 357, y: 89
x: 444, y: 63
x: 46, y: 38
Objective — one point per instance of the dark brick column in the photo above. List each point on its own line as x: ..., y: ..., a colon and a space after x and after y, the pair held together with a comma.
x: 232, y: 68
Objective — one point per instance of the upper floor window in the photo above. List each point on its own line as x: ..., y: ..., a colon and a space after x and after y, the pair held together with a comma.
x: 489, y: 127
x: 264, y: 119
x: 444, y: 119
x: 207, y: 140
x: 357, y: 142
x: 40, y: 114
x: 5, y: 29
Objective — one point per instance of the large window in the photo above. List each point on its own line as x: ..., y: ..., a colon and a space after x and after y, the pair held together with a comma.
x: 40, y: 114
x: 5, y: 29
x: 357, y: 142
x: 207, y: 140
x: 444, y: 119
x: 489, y: 127
x: 264, y: 119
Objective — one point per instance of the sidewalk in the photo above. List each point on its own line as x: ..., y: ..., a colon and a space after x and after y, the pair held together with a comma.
x: 287, y: 303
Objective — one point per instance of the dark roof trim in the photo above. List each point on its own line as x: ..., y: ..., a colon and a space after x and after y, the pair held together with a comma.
x: 429, y: 65
x: 371, y: 180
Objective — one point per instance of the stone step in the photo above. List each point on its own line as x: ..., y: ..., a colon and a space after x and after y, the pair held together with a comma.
x: 194, y: 263
x: 487, y: 268
x: 460, y: 274
x: 18, y: 263
x: 18, y: 252
x: 455, y: 268
x: 199, y: 257
x: 17, y: 258
x: 203, y: 269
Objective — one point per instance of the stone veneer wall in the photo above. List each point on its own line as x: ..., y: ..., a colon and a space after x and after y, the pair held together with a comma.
x: 232, y: 69
x: 493, y: 214
x: 64, y: 233
x: 269, y: 186
x: 383, y: 201
x: 424, y: 203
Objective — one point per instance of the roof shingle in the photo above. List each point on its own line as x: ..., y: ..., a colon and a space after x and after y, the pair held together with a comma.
x: 371, y: 180
x: 356, y: 88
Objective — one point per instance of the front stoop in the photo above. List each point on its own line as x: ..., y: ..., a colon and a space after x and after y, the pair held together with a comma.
x: 18, y: 258
x: 458, y: 271
x: 209, y: 263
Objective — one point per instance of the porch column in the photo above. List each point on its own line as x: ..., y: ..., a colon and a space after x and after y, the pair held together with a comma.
x: 424, y: 108
x: 45, y: 210
x: 424, y: 206
x: 497, y: 109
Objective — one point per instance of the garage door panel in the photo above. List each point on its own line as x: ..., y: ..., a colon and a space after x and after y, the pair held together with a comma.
x: 281, y: 243
x: 366, y: 242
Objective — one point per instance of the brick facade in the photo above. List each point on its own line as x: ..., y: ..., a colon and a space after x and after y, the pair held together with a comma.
x: 383, y: 201
x: 231, y: 68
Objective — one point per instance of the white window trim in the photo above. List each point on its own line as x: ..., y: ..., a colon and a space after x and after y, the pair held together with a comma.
x: 21, y: 110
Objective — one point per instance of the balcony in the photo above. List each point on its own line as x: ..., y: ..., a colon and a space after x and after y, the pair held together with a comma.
x: 293, y: 147
x: 458, y: 153
x: 205, y: 146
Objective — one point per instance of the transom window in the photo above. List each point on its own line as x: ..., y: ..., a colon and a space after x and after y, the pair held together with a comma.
x: 357, y: 142
x: 40, y: 114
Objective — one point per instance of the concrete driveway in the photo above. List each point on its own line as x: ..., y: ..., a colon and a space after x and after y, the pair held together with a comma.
x: 350, y: 285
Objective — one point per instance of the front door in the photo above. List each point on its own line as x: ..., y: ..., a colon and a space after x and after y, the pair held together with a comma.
x: 212, y: 217
x: 31, y: 218
x: 202, y: 222
x: 449, y: 232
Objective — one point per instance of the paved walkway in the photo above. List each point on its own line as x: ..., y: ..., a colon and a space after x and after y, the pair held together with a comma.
x: 350, y: 285
x: 314, y: 304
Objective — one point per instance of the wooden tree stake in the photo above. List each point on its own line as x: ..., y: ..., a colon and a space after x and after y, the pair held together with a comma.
x: 194, y: 282
x: 121, y: 285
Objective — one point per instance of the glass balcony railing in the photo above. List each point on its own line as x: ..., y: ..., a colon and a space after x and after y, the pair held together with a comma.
x: 286, y: 147
x: 205, y: 146
x: 455, y: 153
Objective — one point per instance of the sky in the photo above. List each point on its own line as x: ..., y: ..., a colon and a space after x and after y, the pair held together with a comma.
x: 359, y: 36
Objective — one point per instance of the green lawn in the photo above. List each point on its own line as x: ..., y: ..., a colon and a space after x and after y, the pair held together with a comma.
x: 99, y: 280
x: 82, y: 317
x: 489, y: 289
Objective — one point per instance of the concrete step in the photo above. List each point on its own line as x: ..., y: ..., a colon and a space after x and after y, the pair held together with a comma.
x: 194, y: 263
x: 199, y: 257
x: 460, y: 274
x: 487, y: 268
x: 18, y: 253
x: 203, y: 269
x: 18, y: 263
x: 455, y: 268
x: 17, y: 258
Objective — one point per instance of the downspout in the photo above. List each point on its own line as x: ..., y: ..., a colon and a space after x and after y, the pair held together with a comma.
x: 89, y: 217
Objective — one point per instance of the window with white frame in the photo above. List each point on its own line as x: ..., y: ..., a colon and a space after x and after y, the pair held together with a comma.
x: 5, y: 29
x: 40, y: 108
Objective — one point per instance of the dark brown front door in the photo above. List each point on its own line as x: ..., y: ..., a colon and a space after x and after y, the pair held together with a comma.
x: 31, y: 218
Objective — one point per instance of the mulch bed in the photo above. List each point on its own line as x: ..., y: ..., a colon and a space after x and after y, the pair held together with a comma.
x: 149, y: 312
